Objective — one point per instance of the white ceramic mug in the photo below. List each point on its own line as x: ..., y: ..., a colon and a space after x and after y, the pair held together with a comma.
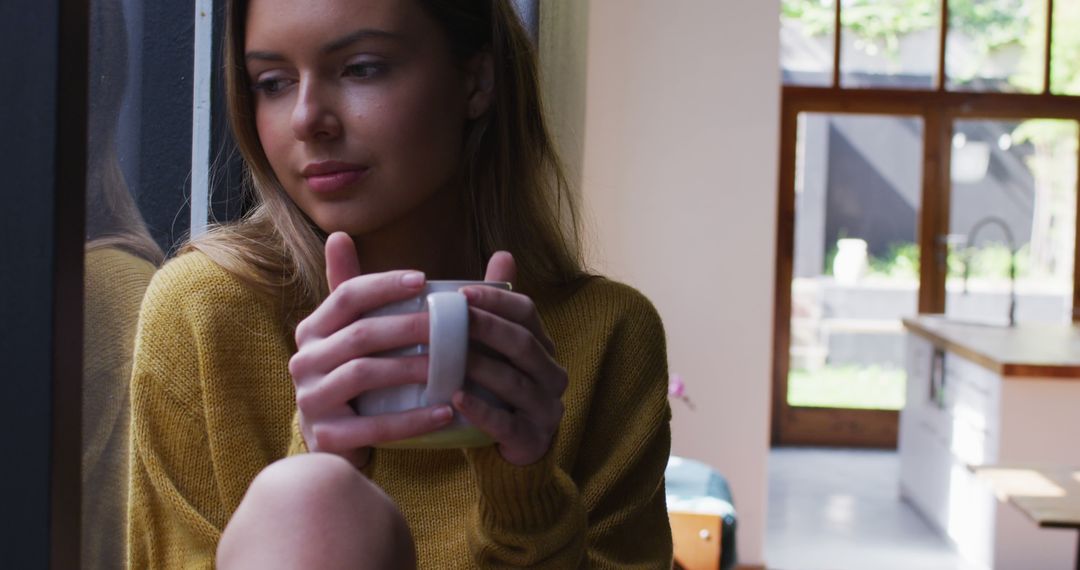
x: 447, y: 350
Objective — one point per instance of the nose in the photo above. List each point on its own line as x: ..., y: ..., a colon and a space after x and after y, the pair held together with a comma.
x: 314, y: 116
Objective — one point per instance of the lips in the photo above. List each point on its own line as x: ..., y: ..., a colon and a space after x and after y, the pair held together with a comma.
x: 332, y: 176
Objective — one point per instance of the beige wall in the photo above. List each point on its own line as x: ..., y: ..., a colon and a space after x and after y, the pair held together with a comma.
x: 564, y: 29
x: 679, y: 182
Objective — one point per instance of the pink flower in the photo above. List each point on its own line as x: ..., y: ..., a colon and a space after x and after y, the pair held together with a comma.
x: 676, y: 387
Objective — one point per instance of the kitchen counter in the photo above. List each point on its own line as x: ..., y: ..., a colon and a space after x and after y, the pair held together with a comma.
x: 981, y: 395
x: 1028, y: 350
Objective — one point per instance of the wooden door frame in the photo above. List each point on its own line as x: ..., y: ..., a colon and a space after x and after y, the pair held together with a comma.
x: 939, y: 110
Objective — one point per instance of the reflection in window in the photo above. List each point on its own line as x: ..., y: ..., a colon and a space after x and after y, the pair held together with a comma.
x: 120, y: 259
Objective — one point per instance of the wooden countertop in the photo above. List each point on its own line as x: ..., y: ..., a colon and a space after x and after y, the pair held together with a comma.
x: 1028, y: 350
x: 1048, y: 495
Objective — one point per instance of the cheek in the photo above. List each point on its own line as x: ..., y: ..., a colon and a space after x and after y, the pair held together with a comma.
x: 273, y: 135
x: 421, y: 125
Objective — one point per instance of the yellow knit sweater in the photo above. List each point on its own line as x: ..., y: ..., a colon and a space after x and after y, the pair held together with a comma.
x: 212, y: 404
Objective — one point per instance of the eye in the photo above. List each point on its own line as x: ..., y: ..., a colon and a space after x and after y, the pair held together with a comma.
x: 271, y: 85
x: 366, y: 69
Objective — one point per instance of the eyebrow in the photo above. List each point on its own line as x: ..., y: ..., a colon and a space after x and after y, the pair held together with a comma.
x: 333, y: 46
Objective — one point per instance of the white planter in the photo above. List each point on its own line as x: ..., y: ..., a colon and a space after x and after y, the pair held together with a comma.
x: 851, y: 260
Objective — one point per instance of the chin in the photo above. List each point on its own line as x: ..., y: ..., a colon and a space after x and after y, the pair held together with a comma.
x: 365, y: 218
x: 355, y: 225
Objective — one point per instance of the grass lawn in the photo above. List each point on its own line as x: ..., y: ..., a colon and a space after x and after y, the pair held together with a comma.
x: 849, y: 386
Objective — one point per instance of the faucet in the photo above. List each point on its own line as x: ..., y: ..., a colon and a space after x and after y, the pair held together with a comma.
x: 1012, y: 259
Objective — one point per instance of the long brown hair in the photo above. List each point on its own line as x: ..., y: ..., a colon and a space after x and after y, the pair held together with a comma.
x: 514, y: 189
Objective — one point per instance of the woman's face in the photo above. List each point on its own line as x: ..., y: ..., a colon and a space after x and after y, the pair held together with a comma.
x: 360, y: 107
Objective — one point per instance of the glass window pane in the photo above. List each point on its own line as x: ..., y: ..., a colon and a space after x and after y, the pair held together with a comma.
x: 806, y: 41
x: 890, y: 43
x: 121, y: 252
x: 856, y: 261
x: 996, y: 45
x: 1013, y: 190
x: 1065, y: 62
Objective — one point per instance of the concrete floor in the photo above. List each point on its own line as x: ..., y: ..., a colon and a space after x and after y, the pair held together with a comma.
x: 841, y: 510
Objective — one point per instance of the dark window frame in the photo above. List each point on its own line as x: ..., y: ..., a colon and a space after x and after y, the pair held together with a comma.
x: 43, y: 156
x: 42, y: 228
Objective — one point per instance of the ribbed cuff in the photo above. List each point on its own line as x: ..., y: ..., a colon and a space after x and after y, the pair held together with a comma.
x: 513, y: 497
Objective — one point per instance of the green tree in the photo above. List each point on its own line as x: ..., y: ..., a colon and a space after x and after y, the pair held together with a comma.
x: 992, y: 24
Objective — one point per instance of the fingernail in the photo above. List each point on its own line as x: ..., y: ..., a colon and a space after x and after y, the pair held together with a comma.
x: 442, y: 414
x: 470, y: 294
x: 412, y: 279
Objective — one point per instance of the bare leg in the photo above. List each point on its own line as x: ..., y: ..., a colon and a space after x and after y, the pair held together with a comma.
x: 315, y: 511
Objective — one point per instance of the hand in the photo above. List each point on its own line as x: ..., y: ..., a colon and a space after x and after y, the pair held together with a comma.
x: 334, y: 363
x: 529, y: 379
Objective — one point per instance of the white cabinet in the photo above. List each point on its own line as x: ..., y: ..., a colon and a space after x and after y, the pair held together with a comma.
x: 946, y: 425
x: 960, y: 414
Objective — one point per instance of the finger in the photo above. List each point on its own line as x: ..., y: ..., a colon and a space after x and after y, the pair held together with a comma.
x: 356, y: 377
x: 355, y: 297
x: 502, y: 425
x: 519, y: 442
x: 501, y: 267
x: 519, y: 346
x: 506, y: 382
x: 357, y: 456
x: 342, y: 263
x: 346, y: 433
x: 512, y: 306
x: 363, y: 337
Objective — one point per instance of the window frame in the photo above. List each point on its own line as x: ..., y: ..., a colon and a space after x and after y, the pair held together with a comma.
x: 939, y: 107
x: 43, y: 233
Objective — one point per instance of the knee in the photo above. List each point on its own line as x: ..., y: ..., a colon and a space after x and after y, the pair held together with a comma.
x: 311, y: 479
x: 317, y: 499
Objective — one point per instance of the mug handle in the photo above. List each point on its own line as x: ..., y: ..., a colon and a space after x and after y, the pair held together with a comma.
x: 448, y: 344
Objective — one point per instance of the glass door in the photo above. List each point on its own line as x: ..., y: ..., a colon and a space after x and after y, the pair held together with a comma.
x: 855, y: 275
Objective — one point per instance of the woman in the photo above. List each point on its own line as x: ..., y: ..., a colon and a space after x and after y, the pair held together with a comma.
x: 390, y: 142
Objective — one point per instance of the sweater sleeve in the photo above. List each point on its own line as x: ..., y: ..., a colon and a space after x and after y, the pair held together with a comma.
x: 626, y: 444
x: 610, y: 512
x: 175, y: 513
x: 526, y: 517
